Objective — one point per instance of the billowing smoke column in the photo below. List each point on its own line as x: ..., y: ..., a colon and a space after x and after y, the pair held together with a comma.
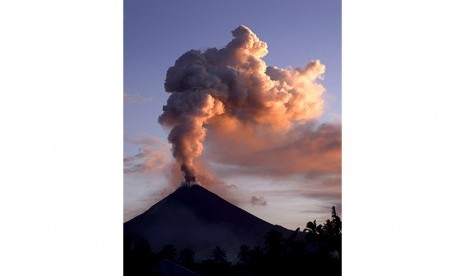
x: 234, y: 84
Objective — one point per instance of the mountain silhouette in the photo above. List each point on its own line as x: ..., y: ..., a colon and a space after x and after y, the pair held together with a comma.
x: 193, y: 217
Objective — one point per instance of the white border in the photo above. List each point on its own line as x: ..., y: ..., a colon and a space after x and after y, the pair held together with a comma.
x: 61, y: 143
x: 403, y: 137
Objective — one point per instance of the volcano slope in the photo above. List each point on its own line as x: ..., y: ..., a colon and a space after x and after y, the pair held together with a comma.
x: 193, y: 217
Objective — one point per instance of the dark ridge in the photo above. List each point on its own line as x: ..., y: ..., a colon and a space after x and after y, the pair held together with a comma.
x: 193, y: 217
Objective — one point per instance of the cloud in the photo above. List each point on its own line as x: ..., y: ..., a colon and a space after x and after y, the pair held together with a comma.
x: 305, y: 150
x: 136, y: 98
x: 147, y: 160
x: 258, y: 201
x: 153, y: 155
x: 299, y: 198
x: 324, y: 187
x: 232, y: 187
x: 147, y: 140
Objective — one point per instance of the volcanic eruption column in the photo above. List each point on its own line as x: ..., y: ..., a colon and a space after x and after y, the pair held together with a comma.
x: 235, y: 84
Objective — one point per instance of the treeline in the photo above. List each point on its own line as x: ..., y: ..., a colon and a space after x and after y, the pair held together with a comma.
x: 316, y: 251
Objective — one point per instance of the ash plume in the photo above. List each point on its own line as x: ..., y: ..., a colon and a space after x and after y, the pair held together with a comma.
x: 231, y: 87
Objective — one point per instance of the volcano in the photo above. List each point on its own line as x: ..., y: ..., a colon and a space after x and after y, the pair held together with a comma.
x: 193, y: 217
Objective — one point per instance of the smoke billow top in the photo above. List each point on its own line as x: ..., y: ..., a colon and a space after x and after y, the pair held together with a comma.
x: 233, y: 85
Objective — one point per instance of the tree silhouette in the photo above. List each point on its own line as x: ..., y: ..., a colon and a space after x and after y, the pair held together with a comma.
x: 336, y: 222
x: 325, y: 241
x: 315, y: 251
x: 313, y: 230
x: 186, y: 257
x: 243, y: 256
x: 138, y: 257
x: 168, y: 252
x: 273, y: 242
x: 217, y: 265
x: 328, y: 228
x: 336, y: 225
x: 219, y: 255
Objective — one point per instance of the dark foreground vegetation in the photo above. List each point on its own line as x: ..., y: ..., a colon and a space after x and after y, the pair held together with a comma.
x: 315, y: 251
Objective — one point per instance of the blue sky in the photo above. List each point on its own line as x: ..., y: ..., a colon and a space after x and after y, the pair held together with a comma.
x: 156, y: 33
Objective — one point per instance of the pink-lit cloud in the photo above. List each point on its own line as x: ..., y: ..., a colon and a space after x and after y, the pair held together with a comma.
x: 153, y: 155
x: 304, y: 150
